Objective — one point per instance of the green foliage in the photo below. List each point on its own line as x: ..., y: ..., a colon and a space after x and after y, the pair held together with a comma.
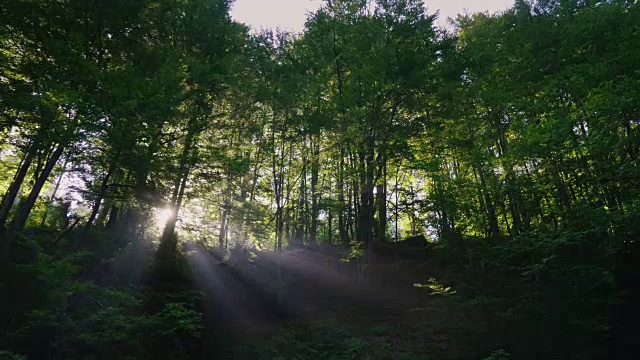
x: 530, y: 291
x: 355, y: 251
x: 499, y: 355
x: 111, y: 330
x: 49, y: 302
x: 320, y: 341
x: 176, y: 319
x: 7, y: 355
x: 370, y: 339
x: 436, y: 288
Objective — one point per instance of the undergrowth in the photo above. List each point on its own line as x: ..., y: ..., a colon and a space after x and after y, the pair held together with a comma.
x: 72, y: 304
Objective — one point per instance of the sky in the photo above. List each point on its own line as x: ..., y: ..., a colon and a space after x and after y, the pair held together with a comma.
x: 291, y: 14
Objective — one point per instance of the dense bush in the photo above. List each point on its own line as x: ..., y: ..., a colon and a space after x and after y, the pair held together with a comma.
x: 544, y: 294
x: 53, y: 300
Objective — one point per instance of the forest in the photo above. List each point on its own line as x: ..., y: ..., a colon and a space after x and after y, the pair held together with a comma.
x: 177, y: 185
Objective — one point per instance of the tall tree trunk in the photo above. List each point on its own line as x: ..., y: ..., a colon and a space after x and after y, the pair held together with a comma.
x: 306, y: 213
x: 397, y: 195
x: 14, y: 188
x: 354, y: 198
x: 168, y: 238
x: 514, y: 204
x: 10, y: 196
x: 342, y: 224
x: 362, y: 218
x: 104, y: 212
x: 252, y: 190
x: 101, y: 194
x: 329, y: 225
x: 113, y: 216
x: 142, y: 172
x: 277, y: 167
x: 54, y: 192
x: 382, y: 205
x: 21, y: 217
x: 494, y: 230
x: 223, y: 227
x: 39, y: 163
x: 315, y: 166
x: 178, y: 188
x: 351, y: 213
x: 506, y: 219
x: 225, y: 213
x: 301, y: 216
x: 367, y: 197
x: 289, y: 212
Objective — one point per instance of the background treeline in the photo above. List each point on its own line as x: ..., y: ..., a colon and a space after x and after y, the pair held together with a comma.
x: 511, y: 139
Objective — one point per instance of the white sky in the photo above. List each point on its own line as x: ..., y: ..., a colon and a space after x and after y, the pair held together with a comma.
x: 291, y: 14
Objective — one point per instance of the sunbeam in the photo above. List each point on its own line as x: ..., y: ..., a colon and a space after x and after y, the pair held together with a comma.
x: 162, y: 216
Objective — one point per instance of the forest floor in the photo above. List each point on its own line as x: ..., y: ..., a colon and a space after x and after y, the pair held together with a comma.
x: 318, y: 308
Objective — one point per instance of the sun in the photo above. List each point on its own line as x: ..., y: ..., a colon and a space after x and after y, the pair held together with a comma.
x: 162, y: 216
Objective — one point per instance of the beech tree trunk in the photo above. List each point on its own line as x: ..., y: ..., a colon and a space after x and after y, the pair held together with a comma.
x: 342, y: 224
x: 14, y: 188
x: 54, y: 192
x: 168, y: 238
x: 315, y: 167
x: 21, y: 217
x: 101, y: 193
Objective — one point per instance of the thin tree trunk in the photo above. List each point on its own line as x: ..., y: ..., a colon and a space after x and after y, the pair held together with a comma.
x: 330, y: 214
x: 382, y: 205
x: 494, y: 230
x: 101, y: 193
x: 289, y: 208
x: 14, y: 188
x: 514, y: 205
x: 342, y: 225
x: 54, y: 192
x: 113, y: 216
x: 314, y: 190
x: 397, y: 191
x: 252, y: 191
x: 22, y: 216
x: 104, y: 212
x: 306, y: 212
x: 351, y: 214
x: 278, y: 176
x: 301, y: 216
x: 363, y: 218
x: 223, y: 227
x: 367, y: 202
